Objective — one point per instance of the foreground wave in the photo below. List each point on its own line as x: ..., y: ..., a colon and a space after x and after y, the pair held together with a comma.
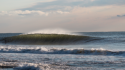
x: 41, y: 39
x: 33, y: 66
x: 42, y: 50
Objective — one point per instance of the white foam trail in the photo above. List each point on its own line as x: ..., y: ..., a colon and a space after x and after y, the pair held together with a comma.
x: 51, y: 31
x: 43, y: 50
x: 27, y: 67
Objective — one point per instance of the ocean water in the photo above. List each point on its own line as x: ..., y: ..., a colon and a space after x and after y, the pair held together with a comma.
x: 107, y: 53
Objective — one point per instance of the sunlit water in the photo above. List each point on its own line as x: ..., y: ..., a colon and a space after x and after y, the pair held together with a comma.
x: 105, y: 54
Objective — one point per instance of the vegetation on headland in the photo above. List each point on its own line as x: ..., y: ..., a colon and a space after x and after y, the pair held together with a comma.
x: 45, y: 39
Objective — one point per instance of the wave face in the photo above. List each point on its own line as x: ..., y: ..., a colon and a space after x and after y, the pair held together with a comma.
x: 99, y: 37
x: 43, y: 50
x: 47, y: 39
x: 3, y: 35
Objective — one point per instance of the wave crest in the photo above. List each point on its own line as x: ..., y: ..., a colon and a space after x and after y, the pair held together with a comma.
x: 43, y: 50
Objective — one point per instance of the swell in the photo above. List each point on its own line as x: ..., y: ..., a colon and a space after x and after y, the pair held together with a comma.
x: 42, y: 50
x: 46, y: 39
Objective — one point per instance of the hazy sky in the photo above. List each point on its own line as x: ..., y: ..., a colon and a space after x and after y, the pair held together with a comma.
x: 73, y: 15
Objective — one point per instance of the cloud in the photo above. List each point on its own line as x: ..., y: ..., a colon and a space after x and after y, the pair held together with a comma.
x: 27, y: 12
x: 68, y: 5
x: 120, y: 15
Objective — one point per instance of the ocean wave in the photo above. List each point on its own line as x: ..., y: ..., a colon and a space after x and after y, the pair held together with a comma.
x: 43, y: 50
x: 24, y: 66
x: 86, y: 66
x: 47, y: 39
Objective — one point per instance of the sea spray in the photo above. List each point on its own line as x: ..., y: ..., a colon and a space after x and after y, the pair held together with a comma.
x: 51, y: 31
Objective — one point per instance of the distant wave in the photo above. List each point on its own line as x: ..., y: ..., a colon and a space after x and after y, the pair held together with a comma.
x: 40, y: 39
x: 42, y: 50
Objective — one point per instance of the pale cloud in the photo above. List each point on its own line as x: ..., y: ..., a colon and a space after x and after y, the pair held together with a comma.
x: 27, y: 12
x: 62, y: 12
x: 18, y: 12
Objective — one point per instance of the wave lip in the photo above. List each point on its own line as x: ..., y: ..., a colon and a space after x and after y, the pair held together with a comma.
x: 45, y: 39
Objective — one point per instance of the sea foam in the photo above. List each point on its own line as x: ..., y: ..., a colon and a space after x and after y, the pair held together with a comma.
x: 43, y: 50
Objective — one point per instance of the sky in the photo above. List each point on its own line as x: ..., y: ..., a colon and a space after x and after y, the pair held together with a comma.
x: 20, y: 16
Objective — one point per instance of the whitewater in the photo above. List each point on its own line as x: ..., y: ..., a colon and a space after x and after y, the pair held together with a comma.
x: 106, y: 53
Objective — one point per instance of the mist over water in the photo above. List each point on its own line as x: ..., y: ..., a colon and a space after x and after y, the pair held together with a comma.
x: 51, y: 31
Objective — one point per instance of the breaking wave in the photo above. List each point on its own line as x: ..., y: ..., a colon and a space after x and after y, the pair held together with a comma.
x: 65, y: 66
x: 43, y: 50
x: 40, y: 39
x: 27, y: 67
